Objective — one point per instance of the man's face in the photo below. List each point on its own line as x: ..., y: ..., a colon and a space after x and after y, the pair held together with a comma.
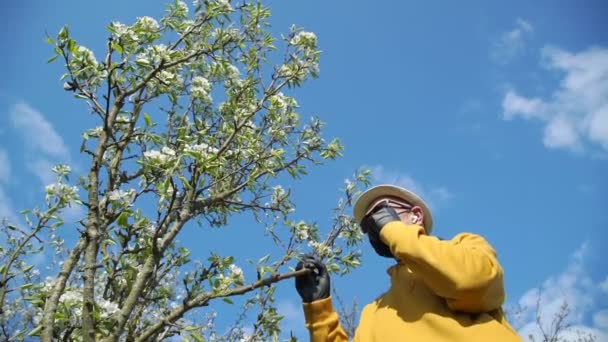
x: 403, y: 208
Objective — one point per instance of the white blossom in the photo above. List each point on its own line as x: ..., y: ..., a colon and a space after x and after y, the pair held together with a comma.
x: 122, y: 196
x: 224, y: 5
x: 232, y: 72
x: 107, y: 308
x: 168, y: 80
x: 320, y: 248
x: 277, y: 195
x: 305, y: 39
x: 154, y: 54
x: 201, y: 148
x: 167, y: 151
x: 86, y: 55
x: 236, y: 273
x: 61, y: 169
x: 147, y: 24
x: 124, y: 33
x: 302, y: 231
x: 62, y: 191
x: 95, y: 132
x: 162, y: 157
x: 181, y: 9
x: 70, y: 296
x: 201, y: 88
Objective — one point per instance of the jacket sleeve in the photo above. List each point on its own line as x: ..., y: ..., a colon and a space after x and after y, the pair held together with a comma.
x: 323, y: 322
x: 464, y: 270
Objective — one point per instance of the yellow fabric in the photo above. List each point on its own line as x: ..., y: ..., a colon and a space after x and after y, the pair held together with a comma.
x: 440, y: 291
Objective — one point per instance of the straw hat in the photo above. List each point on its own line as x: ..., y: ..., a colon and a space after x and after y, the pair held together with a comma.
x: 372, y: 194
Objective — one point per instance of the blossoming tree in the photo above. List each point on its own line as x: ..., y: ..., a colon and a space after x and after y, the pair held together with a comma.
x: 194, y: 127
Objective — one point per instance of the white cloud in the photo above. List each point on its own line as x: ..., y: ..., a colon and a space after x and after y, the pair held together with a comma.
x: 561, y: 132
x: 575, y: 287
x: 511, y: 43
x: 576, y: 113
x: 600, y: 319
x: 38, y: 132
x: 432, y: 195
x: 46, y: 146
x: 515, y: 105
x: 41, y: 167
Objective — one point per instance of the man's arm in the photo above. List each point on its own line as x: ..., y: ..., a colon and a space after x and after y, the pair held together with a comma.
x: 322, y: 322
x: 464, y: 270
x: 314, y: 286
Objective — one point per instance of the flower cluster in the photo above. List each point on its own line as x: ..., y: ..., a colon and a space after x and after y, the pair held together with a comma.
x: 282, y: 103
x: 201, y: 88
x: 235, y: 276
x: 181, y: 9
x: 94, y: 132
x: 200, y: 149
x: 153, y: 55
x: 83, y: 58
x: 160, y: 158
x: 167, y: 81
x: 64, y: 193
x: 278, y: 196
x: 61, y: 170
x: 147, y: 28
x: 302, y: 231
x: 121, y: 197
x: 224, y: 5
x: 84, y: 66
x: 124, y: 34
x: 306, y: 40
x: 321, y: 249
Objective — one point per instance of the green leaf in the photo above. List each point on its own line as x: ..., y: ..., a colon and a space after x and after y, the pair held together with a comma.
x: 148, y: 119
x: 117, y: 48
x: 72, y: 45
x: 227, y: 300
x: 264, y: 259
x: 110, y: 241
x: 26, y: 286
x: 36, y: 331
x: 50, y: 60
x: 123, y: 219
x: 63, y: 33
x: 198, y: 337
x: 111, y: 29
x: 49, y: 40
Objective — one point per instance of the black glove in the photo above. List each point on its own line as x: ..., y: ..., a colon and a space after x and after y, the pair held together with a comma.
x: 314, y: 285
x: 373, y: 223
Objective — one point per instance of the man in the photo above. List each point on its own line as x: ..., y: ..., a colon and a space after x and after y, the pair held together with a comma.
x: 440, y: 290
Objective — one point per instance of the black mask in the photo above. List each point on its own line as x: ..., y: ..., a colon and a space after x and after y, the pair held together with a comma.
x: 380, y: 247
x: 372, y: 228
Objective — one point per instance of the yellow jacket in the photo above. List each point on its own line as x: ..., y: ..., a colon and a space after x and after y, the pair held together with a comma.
x: 440, y: 291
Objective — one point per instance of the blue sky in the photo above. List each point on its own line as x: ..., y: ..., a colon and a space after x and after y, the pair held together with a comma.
x: 497, y: 113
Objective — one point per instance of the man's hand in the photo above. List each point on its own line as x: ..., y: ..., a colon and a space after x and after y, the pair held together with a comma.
x: 313, y: 285
x: 372, y: 225
x: 374, y: 222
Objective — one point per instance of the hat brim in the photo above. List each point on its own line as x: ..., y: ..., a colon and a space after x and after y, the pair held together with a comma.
x: 370, y: 195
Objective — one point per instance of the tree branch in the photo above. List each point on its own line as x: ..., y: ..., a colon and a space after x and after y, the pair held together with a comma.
x: 204, y: 298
